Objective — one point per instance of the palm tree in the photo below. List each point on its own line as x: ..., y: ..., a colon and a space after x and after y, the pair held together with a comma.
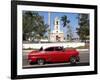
x: 66, y: 22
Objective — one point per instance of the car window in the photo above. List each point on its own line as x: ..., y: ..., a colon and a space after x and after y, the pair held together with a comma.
x: 49, y: 49
x: 58, y: 48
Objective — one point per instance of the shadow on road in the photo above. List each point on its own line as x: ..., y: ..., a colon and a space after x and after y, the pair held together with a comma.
x: 55, y: 65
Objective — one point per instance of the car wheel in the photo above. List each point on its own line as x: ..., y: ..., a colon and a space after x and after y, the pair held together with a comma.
x: 31, y: 63
x: 40, y: 61
x: 73, y: 60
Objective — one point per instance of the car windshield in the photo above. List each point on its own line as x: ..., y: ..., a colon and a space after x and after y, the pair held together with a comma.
x: 41, y: 49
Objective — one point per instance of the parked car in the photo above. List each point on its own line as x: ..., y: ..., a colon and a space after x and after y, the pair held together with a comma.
x: 53, y: 54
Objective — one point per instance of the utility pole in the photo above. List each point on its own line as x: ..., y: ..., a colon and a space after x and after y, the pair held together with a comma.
x: 49, y: 26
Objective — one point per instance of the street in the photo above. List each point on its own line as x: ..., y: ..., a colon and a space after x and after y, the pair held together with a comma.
x: 84, y: 60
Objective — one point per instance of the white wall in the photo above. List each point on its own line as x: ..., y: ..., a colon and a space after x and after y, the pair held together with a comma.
x: 5, y: 30
x: 38, y: 45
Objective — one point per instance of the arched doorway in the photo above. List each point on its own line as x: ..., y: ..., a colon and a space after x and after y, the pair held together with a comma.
x: 57, y: 38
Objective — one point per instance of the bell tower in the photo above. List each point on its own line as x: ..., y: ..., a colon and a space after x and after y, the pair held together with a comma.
x: 57, y: 25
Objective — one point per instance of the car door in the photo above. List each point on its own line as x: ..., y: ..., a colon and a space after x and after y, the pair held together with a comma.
x: 60, y: 54
x: 50, y: 54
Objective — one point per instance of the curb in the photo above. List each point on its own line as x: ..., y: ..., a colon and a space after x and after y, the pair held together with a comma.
x: 82, y: 49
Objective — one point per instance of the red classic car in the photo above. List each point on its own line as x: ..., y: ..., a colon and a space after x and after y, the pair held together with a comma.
x: 53, y: 54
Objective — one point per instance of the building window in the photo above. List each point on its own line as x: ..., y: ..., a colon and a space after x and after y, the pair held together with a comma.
x: 56, y: 22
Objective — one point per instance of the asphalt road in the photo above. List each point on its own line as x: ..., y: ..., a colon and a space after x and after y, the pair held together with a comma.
x: 84, y: 60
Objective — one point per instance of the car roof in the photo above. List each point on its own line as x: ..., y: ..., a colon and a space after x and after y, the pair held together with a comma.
x: 51, y: 47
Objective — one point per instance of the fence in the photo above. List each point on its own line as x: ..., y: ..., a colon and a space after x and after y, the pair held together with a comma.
x: 38, y: 45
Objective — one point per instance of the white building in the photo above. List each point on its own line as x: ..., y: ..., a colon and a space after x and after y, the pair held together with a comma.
x: 56, y: 35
